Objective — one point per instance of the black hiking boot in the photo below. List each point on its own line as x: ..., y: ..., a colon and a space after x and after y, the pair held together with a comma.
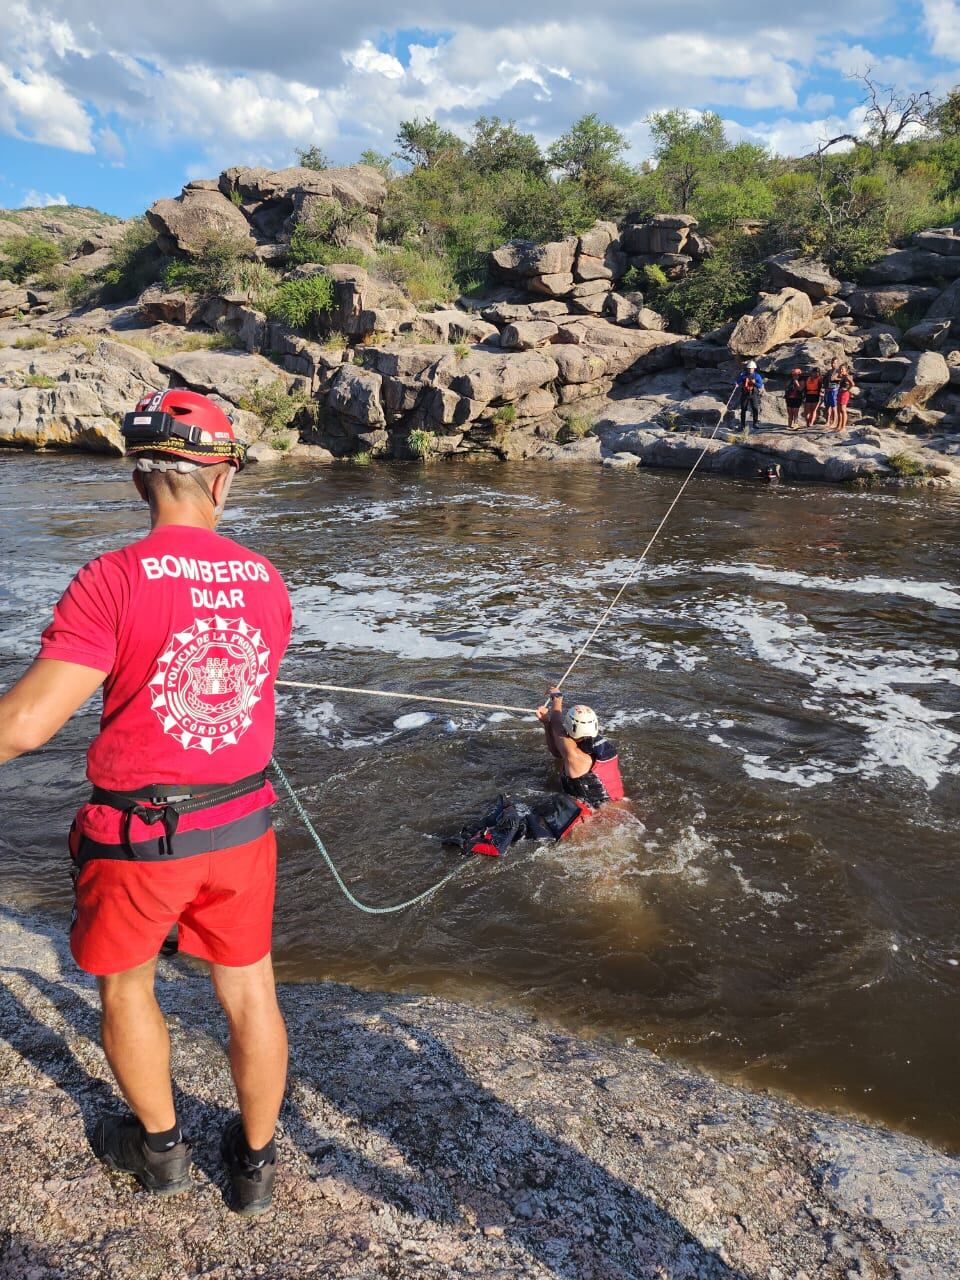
x: 119, y: 1142
x: 251, y: 1187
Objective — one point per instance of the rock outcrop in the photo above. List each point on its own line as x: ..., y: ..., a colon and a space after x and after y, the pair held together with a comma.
x: 777, y: 318
x: 184, y: 224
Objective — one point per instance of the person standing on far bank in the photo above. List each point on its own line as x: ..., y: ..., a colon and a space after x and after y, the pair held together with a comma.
x: 185, y: 631
x: 751, y: 385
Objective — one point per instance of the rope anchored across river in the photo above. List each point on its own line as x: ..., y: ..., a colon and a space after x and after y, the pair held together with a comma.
x: 462, y: 702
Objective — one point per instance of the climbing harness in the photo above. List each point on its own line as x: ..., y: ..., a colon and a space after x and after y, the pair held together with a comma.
x: 407, y: 697
x: 643, y: 555
x: 489, y: 706
x: 341, y: 885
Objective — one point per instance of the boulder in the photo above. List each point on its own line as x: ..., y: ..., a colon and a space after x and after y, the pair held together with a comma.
x: 885, y: 301
x: 664, y: 233
x: 13, y: 298
x: 169, y: 306
x: 449, y: 326
x: 927, y: 334
x: 895, y: 369
x: 805, y: 354
x: 611, y: 267
x: 791, y: 271
x: 355, y: 394
x: 946, y: 306
x: 230, y: 374
x: 501, y: 313
x: 887, y: 345
x: 905, y: 266
x: 359, y: 186
x: 523, y: 258
x: 646, y: 318
x: 536, y: 404
x: 595, y: 242
x: 260, y: 451
x: 776, y: 319
x: 554, y: 286
x: 927, y: 375
x: 698, y: 246
x: 486, y: 375
x: 943, y: 242
x: 184, y: 224
x: 527, y: 336
x: 83, y: 410
x: 622, y: 308
x: 580, y: 364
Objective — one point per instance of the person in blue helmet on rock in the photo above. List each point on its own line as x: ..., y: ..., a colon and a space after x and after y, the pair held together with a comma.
x: 751, y: 387
x: 589, y: 778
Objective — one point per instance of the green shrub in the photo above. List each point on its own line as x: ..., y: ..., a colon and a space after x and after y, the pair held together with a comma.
x: 312, y: 158
x: 31, y: 342
x: 322, y: 238
x: 135, y: 263
x: 40, y: 380
x: 722, y: 288
x: 25, y: 256
x: 577, y: 425
x: 302, y: 304
x: 186, y: 340
x: 336, y: 342
x: 236, y: 198
x: 80, y: 290
x: 213, y: 267
x: 505, y: 416
x: 361, y: 459
x: 274, y: 405
x: 461, y: 350
x: 907, y: 466
x: 420, y: 443
x: 423, y: 276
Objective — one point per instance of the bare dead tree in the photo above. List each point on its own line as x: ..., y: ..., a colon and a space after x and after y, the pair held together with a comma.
x: 890, y: 112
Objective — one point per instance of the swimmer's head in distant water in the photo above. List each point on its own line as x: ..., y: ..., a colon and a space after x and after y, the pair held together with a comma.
x: 580, y: 722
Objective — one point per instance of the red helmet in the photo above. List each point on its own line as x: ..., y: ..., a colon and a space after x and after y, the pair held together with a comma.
x: 182, y: 424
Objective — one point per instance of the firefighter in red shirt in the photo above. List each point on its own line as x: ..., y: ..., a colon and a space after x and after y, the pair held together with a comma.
x: 184, y: 630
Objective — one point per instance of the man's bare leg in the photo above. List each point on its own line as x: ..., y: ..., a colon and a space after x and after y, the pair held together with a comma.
x: 137, y: 1045
x: 258, y: 1045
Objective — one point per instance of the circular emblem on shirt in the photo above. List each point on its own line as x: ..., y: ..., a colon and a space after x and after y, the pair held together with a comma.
x: 208, y: 682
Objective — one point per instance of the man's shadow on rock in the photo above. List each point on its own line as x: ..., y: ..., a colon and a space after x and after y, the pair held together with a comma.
x: 49, y: 1051
x: 474, y: 1152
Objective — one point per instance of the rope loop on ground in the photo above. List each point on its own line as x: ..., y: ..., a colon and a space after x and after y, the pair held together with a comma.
x: 341, y: 885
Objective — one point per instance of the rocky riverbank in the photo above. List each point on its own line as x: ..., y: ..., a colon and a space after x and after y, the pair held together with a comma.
x: 424, y: 1138
x: 557, y: 356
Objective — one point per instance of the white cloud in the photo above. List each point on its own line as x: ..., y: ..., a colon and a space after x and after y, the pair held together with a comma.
x: 369, y: 58
x: 942, y: 21
x: 41, y: 200
x: 248, y: 92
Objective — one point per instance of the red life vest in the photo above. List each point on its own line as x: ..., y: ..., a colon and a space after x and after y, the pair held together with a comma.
x: 602, y: 782
x: 813, y: 385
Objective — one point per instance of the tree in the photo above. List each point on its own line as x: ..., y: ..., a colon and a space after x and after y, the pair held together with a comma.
x: 496, y: 147
x: 421, y: 143
x: 945, y: 116
x: 889, y: 114
x: 590, y: 148
x: 688, y: 150
x: 376, y: 160
x: 312, y: 158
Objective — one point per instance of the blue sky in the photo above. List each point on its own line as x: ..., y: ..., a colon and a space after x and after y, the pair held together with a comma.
x: 115, y: 105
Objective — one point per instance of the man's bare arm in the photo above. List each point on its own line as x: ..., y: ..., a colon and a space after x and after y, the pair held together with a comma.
x: 41, y: 702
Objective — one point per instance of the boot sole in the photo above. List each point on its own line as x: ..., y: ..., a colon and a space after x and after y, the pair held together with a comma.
x: 158, y: 1189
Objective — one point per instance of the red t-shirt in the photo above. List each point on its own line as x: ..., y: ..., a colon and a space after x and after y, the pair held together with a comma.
x: 190, y: 628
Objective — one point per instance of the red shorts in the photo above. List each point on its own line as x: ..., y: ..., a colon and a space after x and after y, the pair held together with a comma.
x: 221, y: 902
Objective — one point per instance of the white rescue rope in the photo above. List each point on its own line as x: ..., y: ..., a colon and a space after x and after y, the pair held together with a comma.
x: 643, y: 555
x: 406, y: 697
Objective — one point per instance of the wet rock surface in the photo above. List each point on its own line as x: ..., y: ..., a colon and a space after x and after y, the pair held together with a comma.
x: 423, y: 1138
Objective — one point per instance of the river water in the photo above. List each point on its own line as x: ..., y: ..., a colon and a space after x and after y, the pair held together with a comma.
x: 779, y: 901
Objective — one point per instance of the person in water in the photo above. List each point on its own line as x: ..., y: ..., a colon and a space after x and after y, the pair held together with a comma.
x: 589, y: 779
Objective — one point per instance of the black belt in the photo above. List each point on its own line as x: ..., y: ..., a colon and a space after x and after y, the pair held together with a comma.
x: 189, y: 843
x: 168, y: 802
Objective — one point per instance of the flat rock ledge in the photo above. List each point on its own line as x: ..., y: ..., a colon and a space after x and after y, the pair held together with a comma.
x: 423, y: 1138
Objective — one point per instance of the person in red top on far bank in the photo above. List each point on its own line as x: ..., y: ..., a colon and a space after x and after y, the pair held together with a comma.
x: 185, y: 631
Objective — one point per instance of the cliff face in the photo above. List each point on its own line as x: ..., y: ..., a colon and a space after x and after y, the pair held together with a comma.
x: 559, y: 357
x: 423, y: 1138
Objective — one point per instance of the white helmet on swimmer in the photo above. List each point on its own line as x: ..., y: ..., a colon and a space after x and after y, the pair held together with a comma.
x: 580, y: 722
x: 751, y: 364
